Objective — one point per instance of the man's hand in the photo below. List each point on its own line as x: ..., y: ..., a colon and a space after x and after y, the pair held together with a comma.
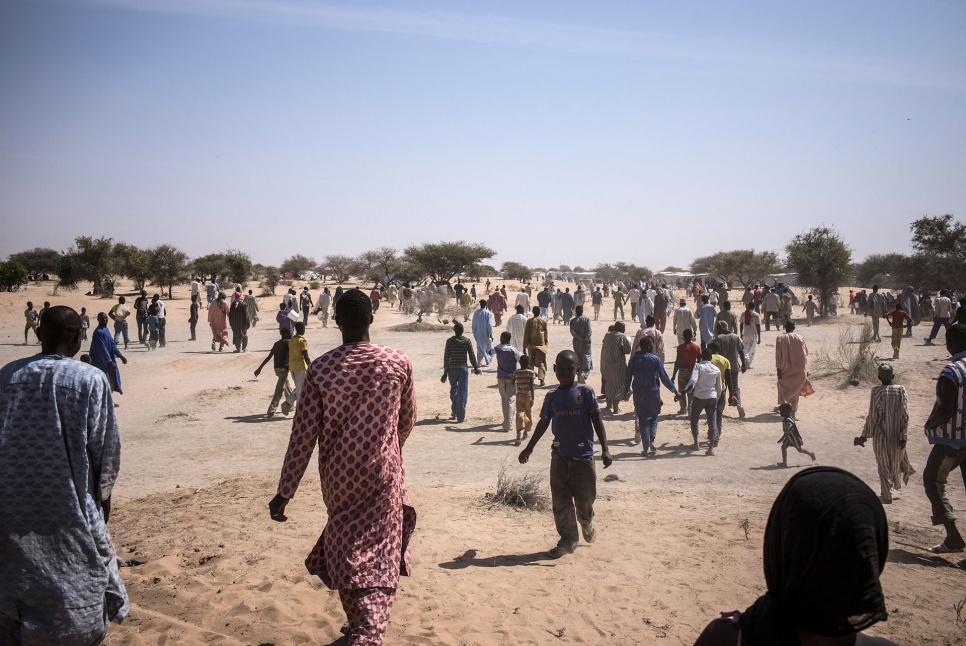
x: 525, y: 455
x: 276, y: 508
x: 902, y: 444
x: 106, y: 508
x: 859, y: 441
x: 605, y: 458
x: 677, y: 397
x: 442, y: 379
x: 744, y: 368
x: 124, y: 360
x: 258, y: 371
x: 779, y: 373
x: 476, y: 371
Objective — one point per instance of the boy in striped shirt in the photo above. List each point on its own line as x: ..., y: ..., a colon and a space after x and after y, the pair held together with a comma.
x: 523, y: 381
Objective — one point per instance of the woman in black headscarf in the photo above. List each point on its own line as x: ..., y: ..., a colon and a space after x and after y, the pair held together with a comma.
x: 826, y: 544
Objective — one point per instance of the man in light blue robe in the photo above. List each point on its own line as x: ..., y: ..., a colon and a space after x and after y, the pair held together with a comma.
x: 483, y: 333
x: 104, y: 353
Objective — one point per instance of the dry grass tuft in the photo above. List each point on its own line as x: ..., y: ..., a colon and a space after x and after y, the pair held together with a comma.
x: 522, y: 492
x: 420, y: 327
x: 854, y: 359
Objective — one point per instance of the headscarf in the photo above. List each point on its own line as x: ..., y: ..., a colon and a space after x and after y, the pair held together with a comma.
x: 238, y: 297
x: 826, y: 544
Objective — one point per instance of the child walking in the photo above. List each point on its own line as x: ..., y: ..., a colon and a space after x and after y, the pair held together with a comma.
x: 193, y: 316
x: 523, y: 380
x: 887, y: 425
x: 809, y: 308
x: 790, y: 435
x: 574, y: 414
x: 279, y: 353
x: 85, y: 323
x: 154, y: 327
x: 897, y: 318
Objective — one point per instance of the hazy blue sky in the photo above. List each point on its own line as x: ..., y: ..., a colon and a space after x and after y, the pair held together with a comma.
x: 578, y: 133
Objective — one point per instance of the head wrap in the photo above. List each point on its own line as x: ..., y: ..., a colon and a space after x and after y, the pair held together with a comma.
x: 826, y: 544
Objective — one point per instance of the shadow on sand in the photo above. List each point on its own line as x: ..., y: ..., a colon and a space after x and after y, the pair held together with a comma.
x: 470, y: 559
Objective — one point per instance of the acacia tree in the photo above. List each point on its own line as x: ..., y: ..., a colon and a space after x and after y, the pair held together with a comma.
x: 297, y: 264
x: 212, y: 265
x: 39, y: 260
x: 94, y: 260
x: 12, y: 275
x: 821, y: 259
x: 515, y: 271
x: 876, y: 267
x: 238, y: 266
x: 441, y: 261
x: 339, y: 267
x: 379, y: 266
x: 169, y: 265
x: 270, y: 278
x: 938, y: 258
x: 745, y: 266
x: 133, y: 263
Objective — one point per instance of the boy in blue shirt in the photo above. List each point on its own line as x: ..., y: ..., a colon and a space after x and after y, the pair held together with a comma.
x: 574, y: 414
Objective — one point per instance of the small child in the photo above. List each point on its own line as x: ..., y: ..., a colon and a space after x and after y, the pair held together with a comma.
x: 193, y: 316
x: 809, y: 309
x: 85, y: 323
x: 887, y: 424
x: 790, y: 435
x: 897, y: 318
x: 573, y: 410
x: 154, y: 327
x: 523, y: 380
x: 33, y: 322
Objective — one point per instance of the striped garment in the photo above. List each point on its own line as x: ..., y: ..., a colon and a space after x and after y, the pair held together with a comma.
x: 887, y: 425
x: 458, y: 350
x: 953, y: 432
x: 523, y: 380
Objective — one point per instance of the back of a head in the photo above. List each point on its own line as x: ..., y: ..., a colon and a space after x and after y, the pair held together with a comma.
x: 826, y: 543
x: 60, y: 330
x: 354, y: 310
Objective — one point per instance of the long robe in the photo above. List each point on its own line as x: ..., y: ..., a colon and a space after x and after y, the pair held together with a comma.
x: 613, y: 365
x: 888, y: 424
x: 684, y: 320
x: 483, y: 333
x: 218, y: 321
x: 104, y: 355
x: 581, y: 331
x: 251, y: 308
x: 791, y: 358
x: 516, y: 325
x: 655, y: 335
x: 497, y: 304
x: 358, y: 405
x: 239, y: 322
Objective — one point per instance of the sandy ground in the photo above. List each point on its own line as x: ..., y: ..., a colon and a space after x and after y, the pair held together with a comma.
x: 200, y: 463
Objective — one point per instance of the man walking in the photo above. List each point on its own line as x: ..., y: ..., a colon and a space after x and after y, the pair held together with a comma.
x: 544, y: 299
x: 506, y: 364
x: 251, y: 308
x: 305, y: 304
x: 942, y: 314
x: 597, y: 299
x: 482, y: 327
x: 705, y: 383
x: 684, y: 320
x: 516, y: 325
x: 60, y: 453
x: 364, y: 546
x: 535, y: 339
x: 791, y: 362
x: 105, y: 353
x: 580, y: 330
x: 458, y: 351
x: 750, y: 332
x: 119, y: 314
x: 877, y: 309
x: 706, y: 315
x: 733, y: 350
x: 771, y: 303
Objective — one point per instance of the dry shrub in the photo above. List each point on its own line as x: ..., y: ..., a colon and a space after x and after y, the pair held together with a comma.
x: 523, y: 492
x: 420, y: 327
x: 853, y: 359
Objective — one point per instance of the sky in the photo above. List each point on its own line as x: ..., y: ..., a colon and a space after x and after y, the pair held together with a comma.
x: 554, y: 132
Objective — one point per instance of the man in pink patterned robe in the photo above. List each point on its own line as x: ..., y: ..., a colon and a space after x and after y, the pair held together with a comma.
x: 358, y: 405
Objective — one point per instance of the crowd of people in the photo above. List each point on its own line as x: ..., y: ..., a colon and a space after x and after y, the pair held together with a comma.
x: 361, y: 424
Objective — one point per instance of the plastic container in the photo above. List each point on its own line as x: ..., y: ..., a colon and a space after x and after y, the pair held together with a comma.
x: 294, y: 316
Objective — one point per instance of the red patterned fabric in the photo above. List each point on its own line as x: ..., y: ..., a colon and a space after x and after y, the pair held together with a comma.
x: 358, y: 404
x: 367, y: 611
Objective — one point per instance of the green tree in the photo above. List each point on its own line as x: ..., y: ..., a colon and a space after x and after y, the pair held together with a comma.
x: 213, y: 265
x: 441, y: 261
x: 297, y: 265
x: 94, y: 260
x: 340, y: 267
x: 67, y: 272
x: 515, y: 271
x: 12, y: 275
x: 270, y: 277
x: 880, y: 265
x: 821, y: 259
x: 938, y: 258
x: 133, y: 263
x: 39, y: 260
x: 169, y: 265
x: 379, y: 266
x: 745, y: 266
x: 238, y: 266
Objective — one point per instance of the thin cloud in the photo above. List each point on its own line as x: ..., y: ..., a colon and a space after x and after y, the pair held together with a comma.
x: 533, y: 34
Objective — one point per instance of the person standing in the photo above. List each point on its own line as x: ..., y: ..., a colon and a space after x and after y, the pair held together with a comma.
x: 619, y: 299
x: 305, y: 303
x: 661, y: 304
x: 687, y: 356
x: 375, y: 296
x: 946, y: 431
x: 733, y: 350
x: 239, y: 322
x: 322, y: 307
x: 877, y: 309
x: 457, y: 354
x: 506, y: 364
x: 567, y: 305
x: 211, y: 290
x: 896, y: 319
x: 60, y: 458
x: 522, y: 300
x: 684, y: 320
x: 119, y: 314
x: 523, y: 383
x: 218, y: 322
x: 535, y: 341
x: 810, y: 308
x: 643, y: 377
x: 634, y: 297
x: 298, y: 365
x: 482, y: 327
x: 650, y: 331
x: 573, y: 411
x: 726, y: 315
x: 497, y: 305
x: 771, y: 303
x: 364, y: 547
x: 251, y: 308
x: 942, y: 307
x: 613, y: 366
x: 887, y: 424
x: 162, y: 320
x: 32, y: 322
x: 192, y: 319
x: 516, y: 325
x: 581, y: 332
x: 284, y: 320
x: 705, y: 316
x: 791, y: 362
x: 283, y: 387
x: 141, y: 316
x: 105, y: 353
x: 544, y: 299
x: 85, y: 323
x: 750, y: 332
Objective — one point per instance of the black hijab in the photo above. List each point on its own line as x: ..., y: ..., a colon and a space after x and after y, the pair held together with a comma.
x: 826, y: 544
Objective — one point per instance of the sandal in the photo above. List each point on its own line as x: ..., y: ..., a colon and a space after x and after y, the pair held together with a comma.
x: 589, y: 532
x: 559, y: 551
x: 942, y: 549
